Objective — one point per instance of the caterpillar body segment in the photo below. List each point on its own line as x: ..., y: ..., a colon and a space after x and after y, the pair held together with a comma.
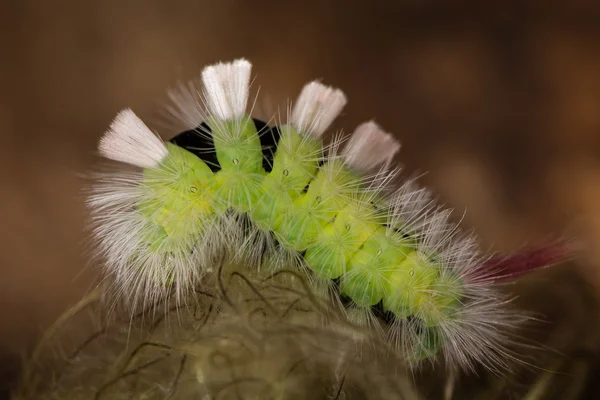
x: 294, y: 165
x: 367, y: 280
x: 391, y: 257
x: 236, y: 140
x: 237, y: 184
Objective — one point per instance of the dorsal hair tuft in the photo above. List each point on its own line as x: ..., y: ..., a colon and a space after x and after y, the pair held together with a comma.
x: 226, y: 87
x: 370, y: 147
x: 316, y: 108
x: 129, y: 140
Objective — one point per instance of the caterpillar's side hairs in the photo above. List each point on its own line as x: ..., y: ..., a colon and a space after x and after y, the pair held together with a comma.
x: 391, y: 259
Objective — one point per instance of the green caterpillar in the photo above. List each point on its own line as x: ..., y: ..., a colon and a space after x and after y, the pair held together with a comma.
x: 389, y: 254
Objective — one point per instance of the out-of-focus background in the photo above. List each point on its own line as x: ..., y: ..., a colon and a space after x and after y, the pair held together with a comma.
x: 500, y: 103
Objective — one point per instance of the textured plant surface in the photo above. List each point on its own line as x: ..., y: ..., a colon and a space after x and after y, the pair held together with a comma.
x: 249, y: 336
x: 253, y: 336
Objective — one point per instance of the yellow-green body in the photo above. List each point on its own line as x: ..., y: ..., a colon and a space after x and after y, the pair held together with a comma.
x: 322, y: 211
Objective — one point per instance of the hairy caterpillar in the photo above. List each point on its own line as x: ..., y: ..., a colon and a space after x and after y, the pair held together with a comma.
x: 276, y: 197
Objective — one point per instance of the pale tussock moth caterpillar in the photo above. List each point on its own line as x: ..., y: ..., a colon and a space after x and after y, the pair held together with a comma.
x: 276, y: 197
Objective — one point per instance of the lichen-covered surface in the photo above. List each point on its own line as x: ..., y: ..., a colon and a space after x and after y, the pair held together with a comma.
x: 500, y: 104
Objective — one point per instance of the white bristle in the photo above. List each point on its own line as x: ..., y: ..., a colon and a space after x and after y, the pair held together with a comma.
x: 226, y: 88
x: 316, y: 108
x: 186, y: 105
x: 129, y: 140
x: 370, y: 147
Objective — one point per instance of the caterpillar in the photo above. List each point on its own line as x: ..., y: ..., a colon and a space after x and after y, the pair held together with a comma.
x: 277, y: 197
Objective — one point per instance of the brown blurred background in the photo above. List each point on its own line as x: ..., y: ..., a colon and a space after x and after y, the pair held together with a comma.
x: 500, y: 103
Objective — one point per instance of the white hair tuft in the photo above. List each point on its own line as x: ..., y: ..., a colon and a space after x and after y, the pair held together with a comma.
x: 129, y: 140
x: 370, y: 147
x: 226, y: 87
x: 316, y: 108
